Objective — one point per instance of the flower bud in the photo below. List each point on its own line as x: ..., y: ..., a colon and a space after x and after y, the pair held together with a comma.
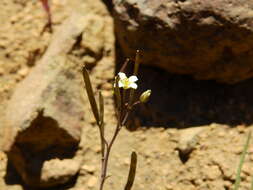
x: 145, y: 96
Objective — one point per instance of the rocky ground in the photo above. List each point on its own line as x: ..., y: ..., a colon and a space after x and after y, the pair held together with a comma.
x: 189, y: 136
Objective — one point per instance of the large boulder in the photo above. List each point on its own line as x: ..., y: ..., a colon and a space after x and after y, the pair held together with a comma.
x: 206, y: 39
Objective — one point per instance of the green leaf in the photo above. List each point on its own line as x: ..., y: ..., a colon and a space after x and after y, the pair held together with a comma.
x: 132, y: 172
x: 242, y: 159
x: 90, y: 94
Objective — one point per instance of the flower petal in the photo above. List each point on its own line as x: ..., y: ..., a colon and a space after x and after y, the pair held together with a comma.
x: 120, y: 84
x: 133, y: 85
x: 133, y: 78
x: 122, y: 75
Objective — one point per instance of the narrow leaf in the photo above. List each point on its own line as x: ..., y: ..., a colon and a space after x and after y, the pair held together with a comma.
x: 90, y: 94
x: 136, y: 68
x: 242, y: 159
x: 137, y: 62
x: 123, y: 68
x: 101, y: 108
x: 117, y: 93
x: 101, y: 125
x: 132, y: 171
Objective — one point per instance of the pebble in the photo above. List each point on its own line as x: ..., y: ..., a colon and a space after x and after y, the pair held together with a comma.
x: 92, y: 181
x: 107, y: 94
x: 89, y: 168
x: 107, y: 86
x: 169, y: 187
x: 2, y: 156
x: 126, y: 161
x: 23, y: 72
x: 97, y: 148
x: 241, y: 128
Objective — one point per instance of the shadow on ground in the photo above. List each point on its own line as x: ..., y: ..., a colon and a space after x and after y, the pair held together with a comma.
x: 181, y: 101
x: 13, y: 178
x: 42, y: 141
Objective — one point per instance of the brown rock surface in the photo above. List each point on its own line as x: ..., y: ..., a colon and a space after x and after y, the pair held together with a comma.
x: 214, y: 155
x: 206, y: 39
x: 43, y: 117
x: 48, y: 105
x: 59, y: 171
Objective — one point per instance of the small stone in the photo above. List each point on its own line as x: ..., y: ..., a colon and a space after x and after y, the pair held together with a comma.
x: 148, y: 161
x: 227, y: 184
x: 97, y: 148
x: 89, y: 61
x: 92, y: 181
x: 23, y: 72
x: 89, y: 168
x: 107, y: 86
x: 57, y: 171
x: 241, y: 128
x: 221, y: 134
x: 143, y: 137
x: 188, y: 138
x: 126, y: 161
x: 213, y: 172
x: 169, y: 187
x: 107, y: 94
x: 2, y: 156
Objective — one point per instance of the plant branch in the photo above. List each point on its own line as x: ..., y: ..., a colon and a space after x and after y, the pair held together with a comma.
x: 106, y: 158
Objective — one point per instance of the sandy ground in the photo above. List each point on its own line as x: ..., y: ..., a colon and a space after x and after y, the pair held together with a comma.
x: 182, y: 151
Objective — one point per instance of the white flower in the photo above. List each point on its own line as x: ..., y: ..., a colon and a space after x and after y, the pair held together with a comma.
x: 125, y: 82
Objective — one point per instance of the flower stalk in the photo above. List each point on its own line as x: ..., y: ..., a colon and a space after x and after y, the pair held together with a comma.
x: 124, y: 88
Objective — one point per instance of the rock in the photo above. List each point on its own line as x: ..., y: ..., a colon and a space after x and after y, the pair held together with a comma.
x: 43, y: 117
x: 189, y: 139
x: 59, y: 171
x: 92, y: 182
x: 210, y: 40
x: 89, y: 168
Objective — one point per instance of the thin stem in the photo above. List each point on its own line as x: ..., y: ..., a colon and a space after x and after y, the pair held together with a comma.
x: 46, y: 7
x: 125, y: 119
x: 122, y: 118
x: 129, y: 109
x: 103, y: 141
x: 104, y: 146
x: 123, y: 106
x: 101, y: 123
x: 106, y: 158
x: 109, y: 147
